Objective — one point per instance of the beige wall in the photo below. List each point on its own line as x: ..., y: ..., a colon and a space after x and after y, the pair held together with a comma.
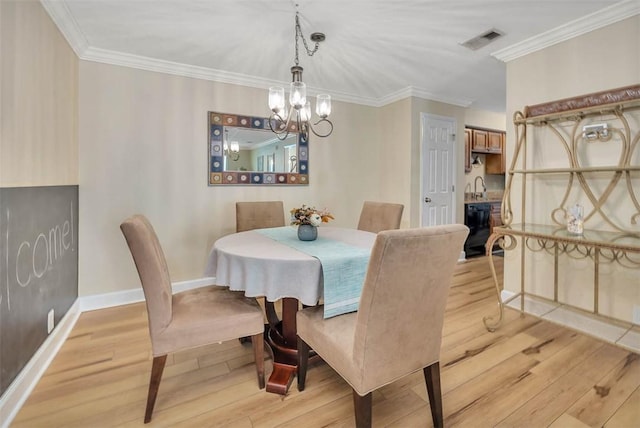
x: 603, y: 59
x: 143, y: 149
x: 38, y: 102
x: 392, y: 162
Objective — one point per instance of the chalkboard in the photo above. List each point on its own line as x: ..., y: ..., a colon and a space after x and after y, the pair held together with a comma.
x: 38, y: 269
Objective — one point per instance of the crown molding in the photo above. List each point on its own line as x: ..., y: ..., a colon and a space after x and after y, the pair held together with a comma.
x: 68, y: 26
x: 411, y: 91
x: 62, y: 17
x: 169, y: 67
x: 178, y: 69
x: 601, y: 18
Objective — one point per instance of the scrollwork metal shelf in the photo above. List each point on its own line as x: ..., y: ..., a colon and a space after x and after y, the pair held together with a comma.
x: 564, y: 120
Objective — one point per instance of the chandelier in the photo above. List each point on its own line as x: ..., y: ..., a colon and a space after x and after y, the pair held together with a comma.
x: 297, y: 118
x: 231, y: 148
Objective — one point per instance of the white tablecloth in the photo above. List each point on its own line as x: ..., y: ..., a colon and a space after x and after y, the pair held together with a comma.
x: 260, y: 266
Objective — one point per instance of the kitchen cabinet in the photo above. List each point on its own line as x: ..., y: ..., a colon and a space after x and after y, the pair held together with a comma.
x: 486, y: 140
x: 467, y: 150
x: 494, y: 141
x: 495, y: 217
x: 495, y: 163
x: 480, y: 140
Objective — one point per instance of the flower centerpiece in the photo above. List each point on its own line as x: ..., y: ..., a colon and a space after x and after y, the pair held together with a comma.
x: 308, y: 219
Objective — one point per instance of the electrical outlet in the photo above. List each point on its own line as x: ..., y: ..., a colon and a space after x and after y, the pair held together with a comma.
x: 50, y: 321
x: 636, y: 314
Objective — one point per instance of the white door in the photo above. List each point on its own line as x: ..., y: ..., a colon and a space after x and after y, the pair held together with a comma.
x: 438, y: 169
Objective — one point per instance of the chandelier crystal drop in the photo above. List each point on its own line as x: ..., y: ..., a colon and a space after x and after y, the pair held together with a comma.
x: 296, y: 116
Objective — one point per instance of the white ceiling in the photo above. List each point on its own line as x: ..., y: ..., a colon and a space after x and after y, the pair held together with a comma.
x: 376, y: 51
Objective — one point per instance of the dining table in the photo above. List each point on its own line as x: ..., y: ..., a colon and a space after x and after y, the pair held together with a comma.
x: 273, y: 263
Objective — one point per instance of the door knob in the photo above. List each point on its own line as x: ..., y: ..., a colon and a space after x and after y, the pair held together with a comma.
x: 427, y: 200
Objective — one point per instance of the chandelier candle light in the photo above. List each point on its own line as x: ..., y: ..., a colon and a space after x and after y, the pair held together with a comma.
x: 231, y: 148
x: 298, y: 117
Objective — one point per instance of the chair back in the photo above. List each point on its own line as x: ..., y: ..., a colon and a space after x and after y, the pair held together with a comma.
x: 259, y: 215
x: 152, y: 269
x: 399, y: 322
x: 377, y: 216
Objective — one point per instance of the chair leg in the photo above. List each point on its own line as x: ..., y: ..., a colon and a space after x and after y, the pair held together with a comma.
x: 157, y: 368
x: 303, y: 359
x: 362, y: 407
x: 257, y: 341
x: 432, y: 379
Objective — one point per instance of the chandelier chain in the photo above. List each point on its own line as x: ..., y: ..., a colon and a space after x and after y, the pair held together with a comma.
x: 299, y: 34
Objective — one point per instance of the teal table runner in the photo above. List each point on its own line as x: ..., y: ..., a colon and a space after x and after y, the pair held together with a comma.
x: 343, y: 267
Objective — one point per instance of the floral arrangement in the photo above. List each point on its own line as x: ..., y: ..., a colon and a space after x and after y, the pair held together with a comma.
x: 310, y: 215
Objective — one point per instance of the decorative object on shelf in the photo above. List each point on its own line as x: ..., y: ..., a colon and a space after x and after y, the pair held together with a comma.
x: 575, y: 218
x: 298, y: 117
x: 308, y: 219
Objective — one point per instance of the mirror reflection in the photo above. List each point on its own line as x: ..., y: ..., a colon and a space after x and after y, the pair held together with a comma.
x: 259, y: 150
x: 243, y: 150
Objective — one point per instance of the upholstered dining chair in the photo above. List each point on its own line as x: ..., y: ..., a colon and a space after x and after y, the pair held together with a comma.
x: 191, y: 318
x: 259, y: 215
x: 377, y: 216
x: 398, y: 327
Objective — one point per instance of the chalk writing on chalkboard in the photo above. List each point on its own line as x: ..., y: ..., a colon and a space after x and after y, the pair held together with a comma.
x: 38, y: 269
x: 40, y: 252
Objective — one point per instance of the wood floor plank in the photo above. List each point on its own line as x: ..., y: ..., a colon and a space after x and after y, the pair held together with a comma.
x: 544, y: 408
x: 629, y: 413
x: 608, y: 395
x: 528, y: 373
x: 568, y: 421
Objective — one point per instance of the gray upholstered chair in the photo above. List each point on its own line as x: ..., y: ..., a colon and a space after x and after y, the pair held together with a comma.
x: 189, y: 319
x: 398, y: 327
x: 377, y: 216
x: 259, y: 215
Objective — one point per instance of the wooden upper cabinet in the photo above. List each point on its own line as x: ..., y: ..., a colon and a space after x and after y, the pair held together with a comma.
x: 486, y: 140
x: 480, y: 140
x: 491, y: 142
x: 467, y: 150
x: 495, y: 142
x: 495, y: 163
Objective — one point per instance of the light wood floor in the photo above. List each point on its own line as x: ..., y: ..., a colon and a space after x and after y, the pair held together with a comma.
x: 529, y: 373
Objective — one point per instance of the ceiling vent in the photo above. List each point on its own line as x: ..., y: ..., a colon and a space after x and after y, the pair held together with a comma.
x: 483, y: 39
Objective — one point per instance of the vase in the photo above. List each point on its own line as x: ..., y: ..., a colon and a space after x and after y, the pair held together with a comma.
x: 306, y: 232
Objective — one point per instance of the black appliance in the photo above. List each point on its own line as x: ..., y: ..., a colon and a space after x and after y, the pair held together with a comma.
x: 476, y: 217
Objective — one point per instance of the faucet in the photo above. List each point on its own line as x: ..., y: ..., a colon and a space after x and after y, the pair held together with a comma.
x: 475, y: 187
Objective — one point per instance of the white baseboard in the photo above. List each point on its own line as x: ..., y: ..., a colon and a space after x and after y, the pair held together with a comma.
x: 19, y: 390
x: 505, y: 294
x: 125, y: 297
